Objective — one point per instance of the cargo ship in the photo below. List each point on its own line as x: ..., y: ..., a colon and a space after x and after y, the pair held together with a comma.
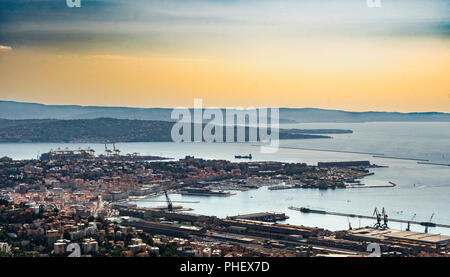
x: 243, y: 157
x: 204, y: 192
x: 280, y: 187
x: 306, y: 210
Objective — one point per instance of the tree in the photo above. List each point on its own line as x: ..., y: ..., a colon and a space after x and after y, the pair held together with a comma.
x: 168, y: 251
x: 128, y: 239
x: 4, y: 202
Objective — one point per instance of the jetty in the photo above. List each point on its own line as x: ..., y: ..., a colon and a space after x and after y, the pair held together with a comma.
x: 362, y: 186
x: 430, y: 163
x: 400, y: 158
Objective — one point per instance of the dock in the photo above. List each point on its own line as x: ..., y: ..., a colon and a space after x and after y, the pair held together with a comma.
x: 308, y: 210
x: 174, y: 208
x: 360, y: 186
x: 400, y: 158
x: 430, y: 163
x: 371, y: 234
x: 330, y: 150
x: 266, y: 216
x: 280, y: 187
x: 173, y: 201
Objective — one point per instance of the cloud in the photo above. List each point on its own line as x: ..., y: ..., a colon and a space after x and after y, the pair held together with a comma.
x: 199, y: 25
x: 4, y: 48
x: 159, y: 58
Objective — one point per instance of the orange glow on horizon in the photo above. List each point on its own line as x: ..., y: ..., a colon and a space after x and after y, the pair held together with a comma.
x: 392, y: 75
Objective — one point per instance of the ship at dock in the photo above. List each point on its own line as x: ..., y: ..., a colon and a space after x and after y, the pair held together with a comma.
x: 204, y: 192
x: 249, y: 156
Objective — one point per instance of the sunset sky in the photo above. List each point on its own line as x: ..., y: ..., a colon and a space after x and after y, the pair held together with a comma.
x: 317, y: 53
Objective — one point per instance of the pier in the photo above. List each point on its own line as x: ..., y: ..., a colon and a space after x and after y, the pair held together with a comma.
x: 400, y: 158
x: 330, y: 150
x: 307, y: 210
x: 361, y: 186
x: 267, y: 216
x: 173, y: 201
x: 430, y: 163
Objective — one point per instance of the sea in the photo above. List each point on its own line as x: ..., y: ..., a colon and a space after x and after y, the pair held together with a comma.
x: 422, y: 191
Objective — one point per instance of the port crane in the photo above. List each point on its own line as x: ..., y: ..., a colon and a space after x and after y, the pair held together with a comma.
x: 429, y: 223
x: 385, y: 219
x: 378, y: 215
x: 107, y: 151
x: 383, y: 214
x: 91, y: 151
x: 169, y: 203
x: 409, y: 223
x: 115, y: 150
x: 79, y: 150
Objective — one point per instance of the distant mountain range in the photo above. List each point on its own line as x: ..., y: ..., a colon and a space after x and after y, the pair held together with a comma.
x: 20, y: 110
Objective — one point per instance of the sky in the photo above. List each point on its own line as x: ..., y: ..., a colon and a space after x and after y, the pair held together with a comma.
x: 280, y: 53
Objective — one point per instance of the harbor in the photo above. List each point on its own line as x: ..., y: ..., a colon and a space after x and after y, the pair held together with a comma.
x: 426, y: 185
x: 308, y: 241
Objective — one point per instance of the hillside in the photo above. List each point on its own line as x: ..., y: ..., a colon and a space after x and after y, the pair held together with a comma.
x: 19, y: 110
x: 105, y: 130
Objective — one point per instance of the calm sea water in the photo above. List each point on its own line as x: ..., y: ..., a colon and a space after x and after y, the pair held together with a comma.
x: 421, y: 189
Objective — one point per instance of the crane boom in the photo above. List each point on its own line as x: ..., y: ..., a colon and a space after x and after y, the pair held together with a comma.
x: 169, y: 203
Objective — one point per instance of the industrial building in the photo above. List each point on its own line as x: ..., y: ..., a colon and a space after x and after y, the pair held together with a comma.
x: 379, y: 235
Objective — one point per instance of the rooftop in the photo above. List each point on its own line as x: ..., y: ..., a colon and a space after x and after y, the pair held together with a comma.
x: 371, y: 233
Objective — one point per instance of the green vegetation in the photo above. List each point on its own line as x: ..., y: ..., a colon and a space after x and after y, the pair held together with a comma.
x: 105, y: 130
x: 91, y: 130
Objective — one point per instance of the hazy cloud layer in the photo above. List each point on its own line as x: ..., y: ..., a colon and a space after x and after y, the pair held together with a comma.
x: 4, y: 48
x: 159, y: 23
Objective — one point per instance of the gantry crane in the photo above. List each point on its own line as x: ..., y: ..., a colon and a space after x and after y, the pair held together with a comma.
x: 116, y: 151
x: 91, y: 151
x: 169, y: 203
x: 385, y: 219
x: 409, y: 223
x: 378, y: 215
x: 383, y: 213
x: 107, y: 151
x: 429, y: 223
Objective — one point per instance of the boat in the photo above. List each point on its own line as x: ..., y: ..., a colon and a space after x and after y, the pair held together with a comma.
x: 204, y: 192
x: 249, y: 156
